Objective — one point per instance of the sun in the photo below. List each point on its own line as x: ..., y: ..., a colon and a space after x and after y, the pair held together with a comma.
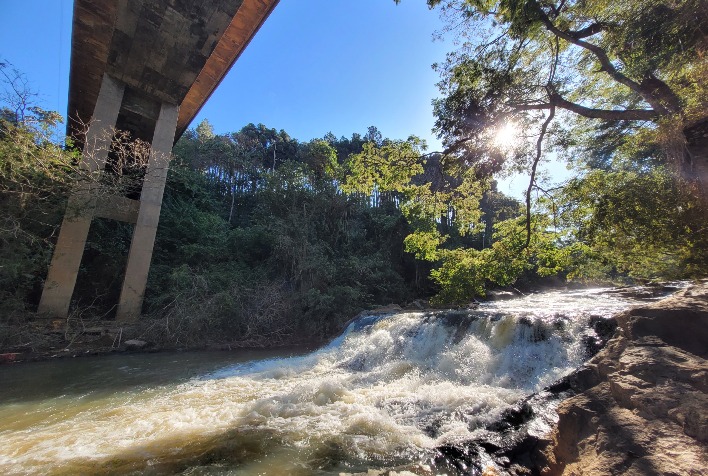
x: 506, y: 136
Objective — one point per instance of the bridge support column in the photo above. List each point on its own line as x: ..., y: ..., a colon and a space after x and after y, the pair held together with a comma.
x: 69, y: 249
x: 141, y: 246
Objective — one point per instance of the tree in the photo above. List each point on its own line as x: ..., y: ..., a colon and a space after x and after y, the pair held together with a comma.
x: 321, y: 158
x: 35, y: 175
x: 640, y: 66
x: 635, y: 222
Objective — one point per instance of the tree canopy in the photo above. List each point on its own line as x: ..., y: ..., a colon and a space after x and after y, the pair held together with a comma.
x: 617, y: 70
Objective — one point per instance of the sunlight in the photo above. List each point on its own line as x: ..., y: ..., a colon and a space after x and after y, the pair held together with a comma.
x: 506, y: 136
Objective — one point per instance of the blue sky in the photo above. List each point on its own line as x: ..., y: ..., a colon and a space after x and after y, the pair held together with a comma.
x: 315, y: 66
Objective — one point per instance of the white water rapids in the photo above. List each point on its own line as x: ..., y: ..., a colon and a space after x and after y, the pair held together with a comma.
x: 386, y: 392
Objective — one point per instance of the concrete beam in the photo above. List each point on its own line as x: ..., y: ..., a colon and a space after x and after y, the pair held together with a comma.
x: 140, y: 255
x: 243, y: 27
x: 64, y: 268
x: 174, y: 52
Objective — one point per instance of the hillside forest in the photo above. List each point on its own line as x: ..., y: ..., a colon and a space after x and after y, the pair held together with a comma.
x: 268, y: 240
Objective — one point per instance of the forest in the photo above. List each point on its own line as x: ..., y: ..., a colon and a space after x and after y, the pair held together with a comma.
x: 268, y: 240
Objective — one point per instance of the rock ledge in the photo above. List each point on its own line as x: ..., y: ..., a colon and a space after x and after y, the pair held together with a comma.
x: 642, y: 402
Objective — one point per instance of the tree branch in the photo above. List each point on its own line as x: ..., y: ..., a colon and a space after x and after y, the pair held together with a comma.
x: 557, y: 100
x: 539, y: 151
x: 605, y: 62
x: 589, y: 30
x: 607, y: 114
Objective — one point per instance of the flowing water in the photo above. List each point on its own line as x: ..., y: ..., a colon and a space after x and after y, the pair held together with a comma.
x: 386, y: 392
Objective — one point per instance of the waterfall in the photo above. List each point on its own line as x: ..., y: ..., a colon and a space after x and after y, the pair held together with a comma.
x: 386, y: 392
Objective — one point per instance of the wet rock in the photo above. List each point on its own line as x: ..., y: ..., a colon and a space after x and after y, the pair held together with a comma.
x: 646, y: 292
x: 458, y: 459
x: 604, y: 327
x: 389, y: 309
x: 501, y: 294
x: 513, y: 417
x: 374, y: 313
x: 636, y: 408
x: 135, y: 344
x: 418, y: 305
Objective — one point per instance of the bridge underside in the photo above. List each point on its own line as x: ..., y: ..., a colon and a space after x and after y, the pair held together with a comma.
x: 145, y: 67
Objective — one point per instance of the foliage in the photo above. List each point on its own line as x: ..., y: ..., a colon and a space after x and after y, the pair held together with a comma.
x: 639, y: 223
x: 34, y: 175
x: 289, y: 230
x: 614, y: 71
x: 618, y: 90
x: 464, y: 273
x: 266, y: 240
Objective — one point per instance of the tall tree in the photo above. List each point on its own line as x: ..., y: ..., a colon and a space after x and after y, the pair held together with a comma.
x: 640, y: 66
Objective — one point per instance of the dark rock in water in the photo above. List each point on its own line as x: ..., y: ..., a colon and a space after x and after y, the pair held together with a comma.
x: 646, y: 292
x: 513, y: 417
x: 518, y: 441
x: 515, y: 443
x: 604, y: 330
x: 368, y: 317
x: 391, y: 308
x: 603, y: 327
x: 457, y: 459
x: 418, y: 305
x: 636, y: 408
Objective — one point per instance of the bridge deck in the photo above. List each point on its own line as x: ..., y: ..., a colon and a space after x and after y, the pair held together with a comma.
x: 173, y: 51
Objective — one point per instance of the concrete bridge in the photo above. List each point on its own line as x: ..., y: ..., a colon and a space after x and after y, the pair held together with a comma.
x: 146, y: 67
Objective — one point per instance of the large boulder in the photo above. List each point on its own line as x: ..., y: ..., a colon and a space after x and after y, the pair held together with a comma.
x: 643, y: 402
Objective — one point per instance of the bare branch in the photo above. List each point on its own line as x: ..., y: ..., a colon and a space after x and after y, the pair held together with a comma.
x: 539, y: 151
x: 556, y: 100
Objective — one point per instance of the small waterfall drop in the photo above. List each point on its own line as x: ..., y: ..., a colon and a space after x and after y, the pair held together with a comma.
x: 387, y: 392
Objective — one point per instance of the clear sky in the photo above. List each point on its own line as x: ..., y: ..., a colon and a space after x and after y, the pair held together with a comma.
x: 315, y: 66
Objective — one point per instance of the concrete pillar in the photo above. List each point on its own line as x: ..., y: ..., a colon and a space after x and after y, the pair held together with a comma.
x: 69, y: 249
x: 136, y: 273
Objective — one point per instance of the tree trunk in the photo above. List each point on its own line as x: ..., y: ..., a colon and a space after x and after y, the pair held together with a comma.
x: 695, y: 161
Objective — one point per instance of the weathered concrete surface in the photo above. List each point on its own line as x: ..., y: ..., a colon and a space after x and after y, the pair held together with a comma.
x: 165, y: 51
x: 69, y: 249
x: 643, y: 406
x: 136, y: 273
x: 144, y: 67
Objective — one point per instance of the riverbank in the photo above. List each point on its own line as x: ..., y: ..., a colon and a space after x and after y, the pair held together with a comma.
x: 641, y: 402
x: 44, y: 339
x: 38, y: 339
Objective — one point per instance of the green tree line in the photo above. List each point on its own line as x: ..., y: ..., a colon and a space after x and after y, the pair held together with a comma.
x: 264, y: 239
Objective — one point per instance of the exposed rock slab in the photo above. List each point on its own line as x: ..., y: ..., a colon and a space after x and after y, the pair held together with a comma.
x: 642, y: 406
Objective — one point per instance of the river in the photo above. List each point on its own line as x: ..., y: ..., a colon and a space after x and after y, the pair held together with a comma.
x: 385, y: 393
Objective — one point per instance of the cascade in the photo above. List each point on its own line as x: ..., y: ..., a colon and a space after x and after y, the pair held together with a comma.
x: 392, y: 390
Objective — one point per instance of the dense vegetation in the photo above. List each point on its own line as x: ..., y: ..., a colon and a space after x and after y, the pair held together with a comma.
x: 264, y: 239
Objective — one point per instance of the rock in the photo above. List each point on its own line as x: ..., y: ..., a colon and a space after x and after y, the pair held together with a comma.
x: 9, y: 357
x: 642, y: 406
x: 418, y: 304
x: 135, y: 344
x: 391, y: 308
x: 501, y: 295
